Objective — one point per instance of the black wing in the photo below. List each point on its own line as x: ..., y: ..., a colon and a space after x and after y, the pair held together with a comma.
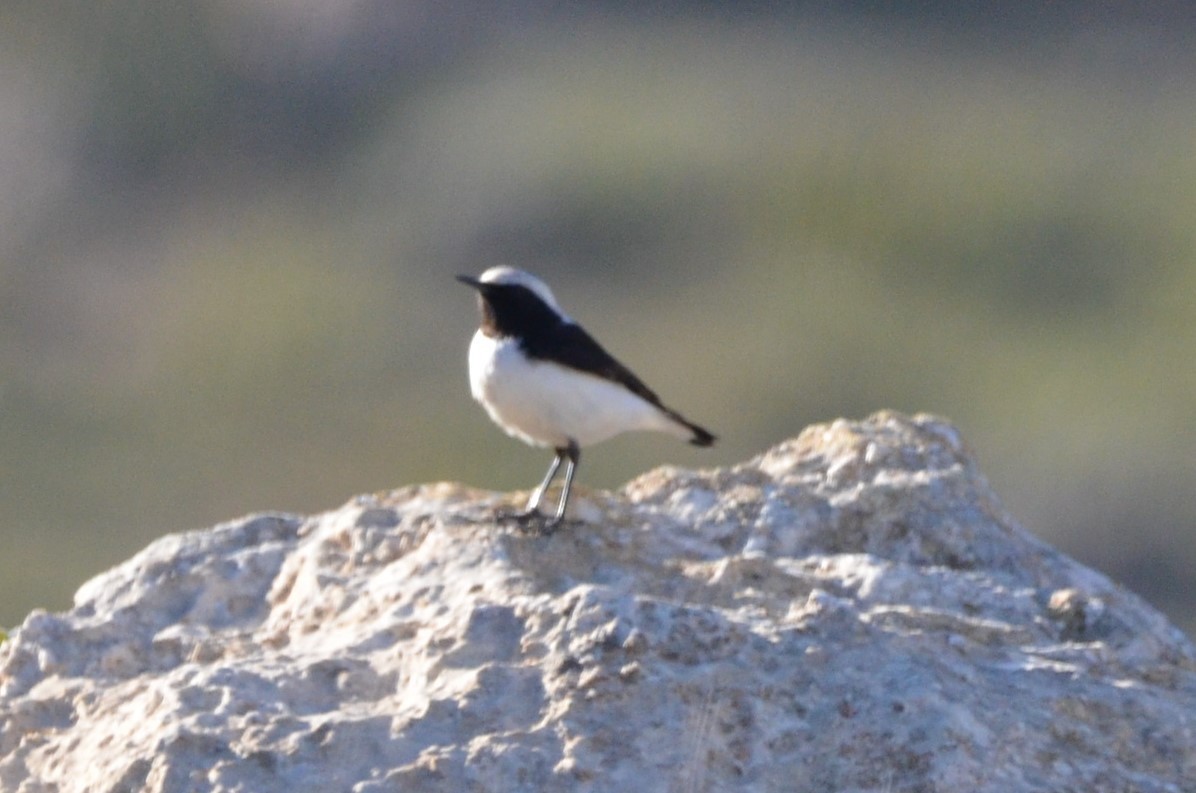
x: 568, y: 344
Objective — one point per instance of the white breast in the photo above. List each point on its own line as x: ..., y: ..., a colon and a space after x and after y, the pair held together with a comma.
x: 545, y: 404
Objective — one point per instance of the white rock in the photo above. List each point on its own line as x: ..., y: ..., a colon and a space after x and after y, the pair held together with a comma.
x: 851, y: 611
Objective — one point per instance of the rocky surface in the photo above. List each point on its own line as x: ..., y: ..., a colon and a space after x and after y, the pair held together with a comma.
x: 851, y: 611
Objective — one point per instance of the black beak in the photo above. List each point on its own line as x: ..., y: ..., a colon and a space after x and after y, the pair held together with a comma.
x: 469, y: 280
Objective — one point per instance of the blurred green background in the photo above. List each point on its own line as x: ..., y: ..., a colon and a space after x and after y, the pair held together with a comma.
x: 228, y: 230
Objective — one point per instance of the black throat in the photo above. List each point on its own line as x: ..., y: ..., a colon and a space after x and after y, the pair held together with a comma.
x: 510, y: 310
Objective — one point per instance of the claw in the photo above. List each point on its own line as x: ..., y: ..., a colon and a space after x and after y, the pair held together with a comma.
x: 528, y: 520
x: 533, y: 522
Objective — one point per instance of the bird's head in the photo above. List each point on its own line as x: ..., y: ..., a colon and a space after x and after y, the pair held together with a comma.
x: 505, y: 276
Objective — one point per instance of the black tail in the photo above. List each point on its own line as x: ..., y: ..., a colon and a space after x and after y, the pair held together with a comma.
x: 701, y: 436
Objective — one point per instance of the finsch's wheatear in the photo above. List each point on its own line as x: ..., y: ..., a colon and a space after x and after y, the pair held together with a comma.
x: 547, y: 382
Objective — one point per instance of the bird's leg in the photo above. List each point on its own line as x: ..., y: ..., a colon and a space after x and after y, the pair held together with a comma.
x: 533, y: 503
x: 573, y: 452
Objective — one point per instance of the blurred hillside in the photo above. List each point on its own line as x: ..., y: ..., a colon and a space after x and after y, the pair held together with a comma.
x: 228, y: 230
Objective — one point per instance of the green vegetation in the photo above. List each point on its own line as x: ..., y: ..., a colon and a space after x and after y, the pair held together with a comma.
x: 775, y: 224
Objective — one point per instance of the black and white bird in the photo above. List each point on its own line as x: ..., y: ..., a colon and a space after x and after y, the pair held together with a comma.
x: 547, y: 382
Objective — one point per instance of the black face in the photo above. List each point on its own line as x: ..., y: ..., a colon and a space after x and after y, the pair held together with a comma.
x: 513, y: 310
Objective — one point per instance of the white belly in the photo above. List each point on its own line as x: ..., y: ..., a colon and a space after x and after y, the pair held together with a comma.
x: 546, y: 404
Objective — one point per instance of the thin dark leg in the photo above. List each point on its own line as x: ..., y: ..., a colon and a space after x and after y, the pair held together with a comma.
x: 533, y: 503
x: 574, y: 454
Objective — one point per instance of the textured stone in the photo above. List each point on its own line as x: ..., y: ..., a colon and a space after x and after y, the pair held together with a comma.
x: 851, y: 611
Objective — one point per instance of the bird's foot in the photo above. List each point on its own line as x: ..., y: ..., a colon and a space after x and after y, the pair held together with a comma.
x: 533, y: 521
x: 528, y: 520
x: 522, y: 517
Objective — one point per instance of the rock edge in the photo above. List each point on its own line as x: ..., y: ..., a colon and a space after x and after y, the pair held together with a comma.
x: 852, y: 610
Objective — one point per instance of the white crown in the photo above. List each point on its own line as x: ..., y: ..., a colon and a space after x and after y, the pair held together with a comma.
x: 502, y: 274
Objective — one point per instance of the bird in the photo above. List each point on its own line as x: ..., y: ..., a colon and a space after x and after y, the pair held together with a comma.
x: 547, y: 382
